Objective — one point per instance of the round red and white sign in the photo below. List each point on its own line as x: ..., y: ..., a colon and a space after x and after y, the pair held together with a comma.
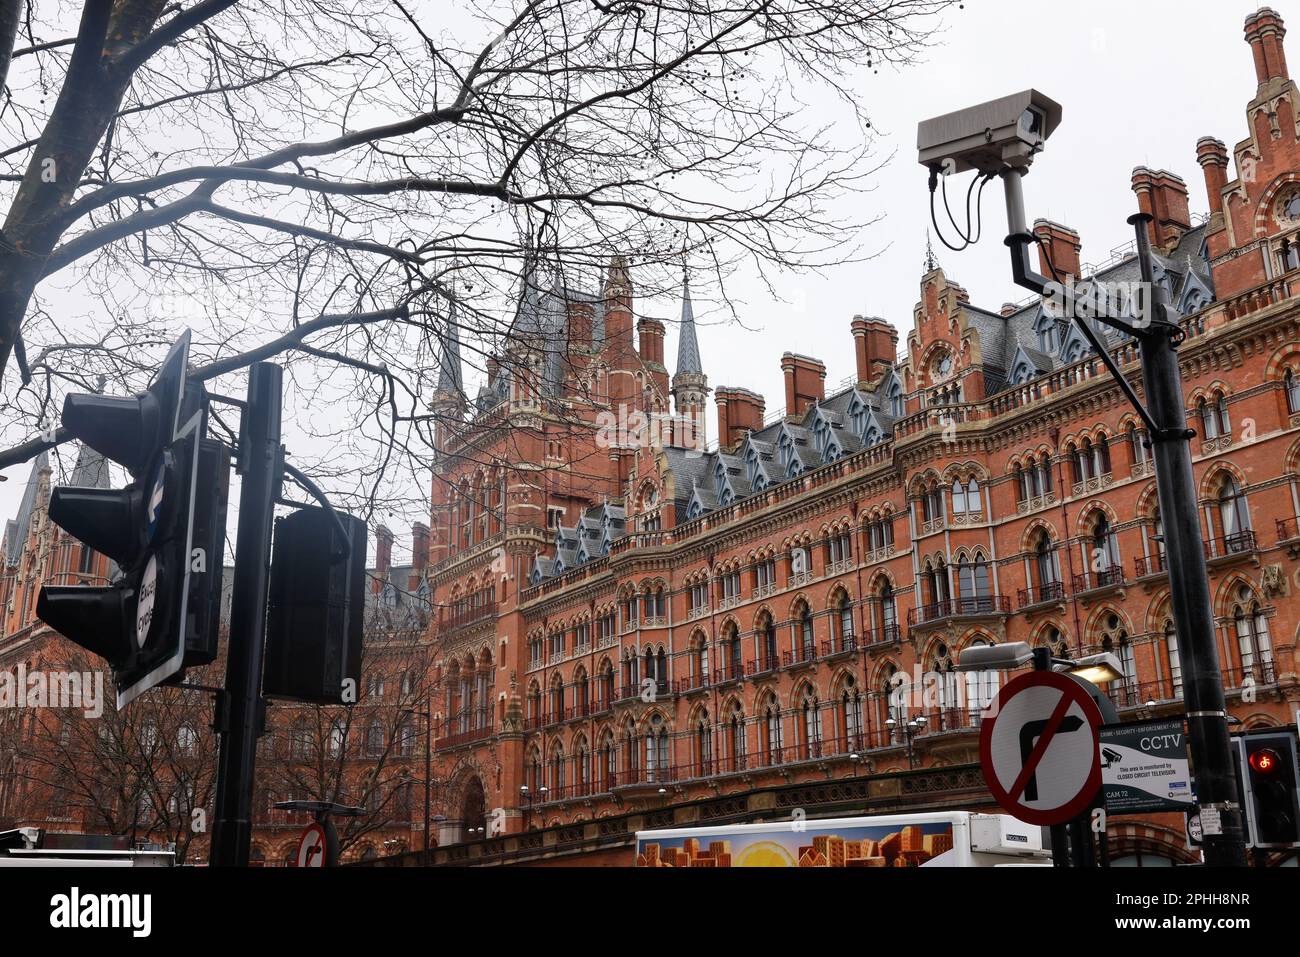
x: 311, y: 847
x: 1040, y: 751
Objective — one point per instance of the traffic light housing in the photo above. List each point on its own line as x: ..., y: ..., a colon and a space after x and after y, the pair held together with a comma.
x: 165, y: 531
x: 316, y: 607
x: 1271, y: 791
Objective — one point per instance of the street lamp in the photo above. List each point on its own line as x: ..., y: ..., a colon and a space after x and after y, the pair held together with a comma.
x: 910, y: 730
x: 1001, y: 139
x: 1098, y: 669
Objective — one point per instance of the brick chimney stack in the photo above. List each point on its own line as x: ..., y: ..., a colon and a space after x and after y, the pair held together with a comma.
x: 1163, y: 195
x: 875, y: 345
x: 651, y: 333
x: 805, y: 382
x: 1265, y: 32
x: 419, y: 546
x: 383, y: 556
x: 739, y: 411
x: 1008, y: 308
x: 1062, y: 243
x: 1212, y: 154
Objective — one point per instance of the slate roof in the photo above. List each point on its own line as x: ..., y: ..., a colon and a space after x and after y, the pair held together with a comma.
x: 18, y: 527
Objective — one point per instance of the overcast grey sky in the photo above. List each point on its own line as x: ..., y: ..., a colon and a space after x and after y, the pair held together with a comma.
x: 1139, y: 83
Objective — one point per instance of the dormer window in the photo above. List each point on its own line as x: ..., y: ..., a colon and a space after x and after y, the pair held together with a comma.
x: 895, y: 395
x: 858, y: 416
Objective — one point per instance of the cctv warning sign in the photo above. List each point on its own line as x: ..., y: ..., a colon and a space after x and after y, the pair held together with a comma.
x: 1144, y: 767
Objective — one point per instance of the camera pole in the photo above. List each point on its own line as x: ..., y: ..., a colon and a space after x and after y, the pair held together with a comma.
x: 1166, y: 421
x: 1207, y: 717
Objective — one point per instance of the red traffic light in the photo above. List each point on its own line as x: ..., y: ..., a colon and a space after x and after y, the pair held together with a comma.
x: 1265, y: 761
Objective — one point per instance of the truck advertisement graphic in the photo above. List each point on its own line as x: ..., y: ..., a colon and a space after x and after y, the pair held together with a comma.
x: 913, y: 840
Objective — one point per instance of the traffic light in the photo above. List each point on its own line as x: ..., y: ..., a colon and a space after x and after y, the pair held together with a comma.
x: 316, y: 607
x: 1271, y: 788
x: 164, y: 531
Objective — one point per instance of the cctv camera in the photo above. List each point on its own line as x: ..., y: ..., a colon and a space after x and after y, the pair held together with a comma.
x: 991, y: 137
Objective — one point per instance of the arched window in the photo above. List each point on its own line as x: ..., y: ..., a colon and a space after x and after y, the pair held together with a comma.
x: 606, y: 687
x: 932, y: 503
x: 337, y: 739
x: 981, y: 687
x: 557, y: 699
x: 1103, y: 557
x: 973, y: 585
x: 850, y: 716
x: 935, y: 579
x: 582, y: 767
x: 1055, y: 642
x: 582, y: 694
x: 965, y: 496
x: 943, y: 666
x: 736, y: 747
x: 810, y: 726
x: 772, y: 732
x: 658, y: 763
x: 807, y: 649
x: 1214, y: 416
x: 1291, y: 382
x: 1137, y: 440
x: 607, y: 759
x: 1115, y: 639
x: 734, y: 666
x: 1174, y: 660
x: 1254, y: 644
x: 889, y: 712
x: 844, y: 622
x: 1156, y: 538
x: 375, y: 739
x: 958, y: 497
x: 534, y: 705
x: 703, y: 745
x: 767, y: 643
x: 887, y: 613
x: 1234, y: 514
x: 1047, y: 568
x: 556, y: 777
x: 699, y: 661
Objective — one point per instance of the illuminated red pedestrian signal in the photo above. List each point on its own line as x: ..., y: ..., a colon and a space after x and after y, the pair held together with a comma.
x: 1271, y: 788
x: 1265, y: 761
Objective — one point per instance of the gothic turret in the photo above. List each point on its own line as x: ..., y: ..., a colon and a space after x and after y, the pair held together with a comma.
x: 690, y: 388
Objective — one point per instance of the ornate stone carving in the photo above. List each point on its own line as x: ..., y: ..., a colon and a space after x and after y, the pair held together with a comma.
x: 1272, y: 582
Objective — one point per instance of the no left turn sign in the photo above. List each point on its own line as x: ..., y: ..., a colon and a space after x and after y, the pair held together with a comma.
x: 312, y: 846
x: 1040, y: 750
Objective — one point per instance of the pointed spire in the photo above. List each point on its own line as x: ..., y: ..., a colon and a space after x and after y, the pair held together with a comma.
x: 688, y: 347
x: 450, y: 380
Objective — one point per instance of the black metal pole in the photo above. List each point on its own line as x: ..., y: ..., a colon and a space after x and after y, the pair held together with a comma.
x: 1207, y: 724
x: 240, y: 708
x: 428, y: 760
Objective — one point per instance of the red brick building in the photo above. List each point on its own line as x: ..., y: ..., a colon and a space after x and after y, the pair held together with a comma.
x: 628, y: 626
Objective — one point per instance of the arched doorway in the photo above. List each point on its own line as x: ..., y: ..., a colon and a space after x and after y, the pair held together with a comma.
x: 473, y: 810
